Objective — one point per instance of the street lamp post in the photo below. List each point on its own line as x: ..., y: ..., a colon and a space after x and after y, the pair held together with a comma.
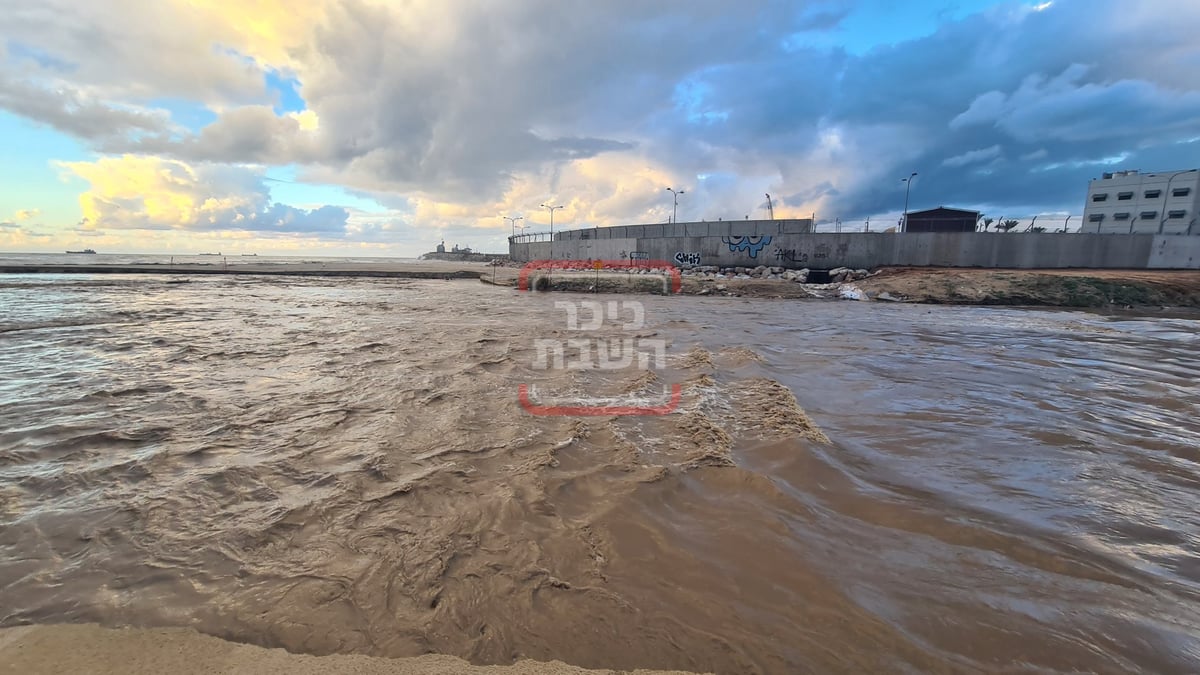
x: 1162, y: 222
x: 907, y: 186
x: 551, y: 209
x: 513, y: 221
x: 675, y: 207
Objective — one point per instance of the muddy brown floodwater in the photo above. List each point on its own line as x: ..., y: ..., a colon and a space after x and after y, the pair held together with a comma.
x: 342, y: 466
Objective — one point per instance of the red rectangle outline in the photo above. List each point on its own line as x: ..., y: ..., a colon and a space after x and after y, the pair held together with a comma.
x: 672, y: 270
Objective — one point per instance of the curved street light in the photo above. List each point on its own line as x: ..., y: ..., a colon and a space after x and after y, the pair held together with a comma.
x: 1162, y: 222
x: 675, y: 207
x: 513, y: 221
x: 551, y: 209
x: 907, y: 186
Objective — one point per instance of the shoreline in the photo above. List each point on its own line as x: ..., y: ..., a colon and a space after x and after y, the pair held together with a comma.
x: 1151, y: 290
x: 394, y: 270
x: 90, y: 648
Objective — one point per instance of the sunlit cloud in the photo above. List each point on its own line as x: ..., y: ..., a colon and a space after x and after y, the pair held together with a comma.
x: 448, y: 116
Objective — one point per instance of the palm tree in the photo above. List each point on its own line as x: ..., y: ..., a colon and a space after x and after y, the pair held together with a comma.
x: 1007, y: 225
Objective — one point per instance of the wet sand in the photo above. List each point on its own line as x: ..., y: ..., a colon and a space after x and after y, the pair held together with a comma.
x: 955, y: 286
x: 73, y: 649
x: 932, y: 285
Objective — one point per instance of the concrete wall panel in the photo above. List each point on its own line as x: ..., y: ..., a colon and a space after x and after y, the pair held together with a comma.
x: 876, y: 249
x: 1174, y: 252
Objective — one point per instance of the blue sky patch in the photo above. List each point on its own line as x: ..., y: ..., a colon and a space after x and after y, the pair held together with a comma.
x: 285, y: 89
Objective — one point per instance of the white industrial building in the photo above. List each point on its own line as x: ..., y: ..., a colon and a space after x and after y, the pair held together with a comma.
x: 1125, y: 202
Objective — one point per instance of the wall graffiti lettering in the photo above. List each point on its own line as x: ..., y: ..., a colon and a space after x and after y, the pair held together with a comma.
x: 790, y: 255
x: 843, y: 248
x: 682, y: 258
x: 639, y: 255
x: 750, y: 244
x: 821, y: 251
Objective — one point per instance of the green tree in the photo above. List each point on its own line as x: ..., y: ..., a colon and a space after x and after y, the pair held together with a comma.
x: 1007, y: 225
x: 1037, y: 228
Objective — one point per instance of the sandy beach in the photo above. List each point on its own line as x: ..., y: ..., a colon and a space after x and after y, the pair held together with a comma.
x: 88, y: 648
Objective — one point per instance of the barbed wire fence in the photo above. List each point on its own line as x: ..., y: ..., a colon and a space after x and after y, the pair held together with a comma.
x: 1053, y: 223
x: 1037, y: 223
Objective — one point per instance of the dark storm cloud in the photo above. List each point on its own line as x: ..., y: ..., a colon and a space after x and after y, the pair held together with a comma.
x: 1022, y: 107
x: 77, y: 114
x: 1015, y: 105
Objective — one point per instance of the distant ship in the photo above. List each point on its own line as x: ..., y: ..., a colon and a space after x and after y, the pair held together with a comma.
x: 251, y: 254
x: 218, y: 253
x: 87, y: 251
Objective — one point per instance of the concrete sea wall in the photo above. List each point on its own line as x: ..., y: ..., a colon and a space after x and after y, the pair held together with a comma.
x: 751, y: 244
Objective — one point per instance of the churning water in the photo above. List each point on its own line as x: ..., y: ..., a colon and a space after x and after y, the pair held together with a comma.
x: 343, y: 466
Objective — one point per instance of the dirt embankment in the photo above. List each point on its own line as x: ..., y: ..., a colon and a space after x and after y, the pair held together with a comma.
x: 1053, y: 288
x: 934, y: 285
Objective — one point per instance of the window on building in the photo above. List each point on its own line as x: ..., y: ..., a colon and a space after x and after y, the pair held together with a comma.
x: 1100, y: 197
x: 1096, y: 217
x: 1176, y: 214
x: 1124, y: 196
x: 1124, y: 215
x: 1181, y: 192
x: 1149, y: 215
x: 1153, y: 194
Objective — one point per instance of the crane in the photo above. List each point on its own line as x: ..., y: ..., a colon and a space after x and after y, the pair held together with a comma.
x: 770, y: 207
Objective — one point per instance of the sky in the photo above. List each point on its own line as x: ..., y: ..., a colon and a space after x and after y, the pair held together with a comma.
x: 379, y: 128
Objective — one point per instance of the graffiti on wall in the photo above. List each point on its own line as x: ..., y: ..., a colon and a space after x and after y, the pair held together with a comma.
x: 790, y: 255
x: 821, y: 251
x: 750, y: 244
x: 682, y: 258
